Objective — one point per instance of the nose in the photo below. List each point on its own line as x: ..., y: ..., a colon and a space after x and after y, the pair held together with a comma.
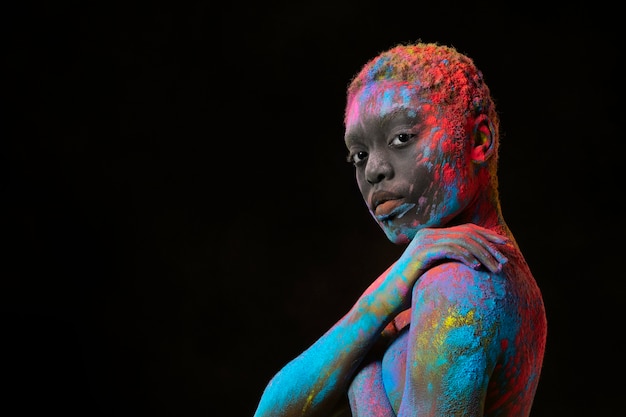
x: 377, y: 169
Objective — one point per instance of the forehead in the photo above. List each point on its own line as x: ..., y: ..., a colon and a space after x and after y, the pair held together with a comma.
x: 384, y: 98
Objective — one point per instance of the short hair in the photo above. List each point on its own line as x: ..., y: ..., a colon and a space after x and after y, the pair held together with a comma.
x: 446, y: 75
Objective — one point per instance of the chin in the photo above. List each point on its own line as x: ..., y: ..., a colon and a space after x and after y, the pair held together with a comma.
x: 398, y: 235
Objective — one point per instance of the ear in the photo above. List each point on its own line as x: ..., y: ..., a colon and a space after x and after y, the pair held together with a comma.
x: 483, y: 139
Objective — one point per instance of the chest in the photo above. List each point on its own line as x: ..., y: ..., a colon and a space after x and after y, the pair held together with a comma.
x: 394, y: 368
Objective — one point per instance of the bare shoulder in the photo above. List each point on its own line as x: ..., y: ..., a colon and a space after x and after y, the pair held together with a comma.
x: 471, y: 322
x: 457, y: 284
x: 454, y: 294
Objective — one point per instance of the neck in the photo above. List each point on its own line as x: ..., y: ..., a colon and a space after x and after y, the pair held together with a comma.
x: 485, y: 211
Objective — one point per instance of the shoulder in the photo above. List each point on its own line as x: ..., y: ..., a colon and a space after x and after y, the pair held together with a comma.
x: 452, y: 298
x: 456, y: 283
x: 456, y: 310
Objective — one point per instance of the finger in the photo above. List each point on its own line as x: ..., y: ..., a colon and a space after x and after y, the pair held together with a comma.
x: 491, y: 258
x: 495, y: 237
x: 496, y: 253
x: 484, y: 252
x: 485, y: 239
x: 462, y: 254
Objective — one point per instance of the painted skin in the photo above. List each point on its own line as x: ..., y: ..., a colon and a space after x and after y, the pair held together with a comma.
x: 316, y: 382
x: 456, y: 326
x: 467, y: 351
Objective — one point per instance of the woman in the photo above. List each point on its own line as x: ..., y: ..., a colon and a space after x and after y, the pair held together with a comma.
x: 456, y: 326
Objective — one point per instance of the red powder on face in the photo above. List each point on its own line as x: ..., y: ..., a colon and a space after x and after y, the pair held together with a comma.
x: 449, y: 174
x: 431, y: 120
x: 438, y: 136
x: 447, y: 146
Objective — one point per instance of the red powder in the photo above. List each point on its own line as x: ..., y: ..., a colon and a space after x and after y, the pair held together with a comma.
x: 448, y: 174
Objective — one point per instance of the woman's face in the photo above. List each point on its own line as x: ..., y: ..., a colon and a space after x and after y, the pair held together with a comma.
x: 412, y: 169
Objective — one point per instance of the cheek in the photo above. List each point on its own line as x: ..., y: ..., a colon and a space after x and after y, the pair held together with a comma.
x: 362, y: 184
x: 427, y: 193
x: 422, y: 180
x: 445, y: 164
x: 457, y: 183
x: 451, y: 176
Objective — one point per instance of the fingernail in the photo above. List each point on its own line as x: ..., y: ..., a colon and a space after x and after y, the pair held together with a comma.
x: 501, y: 264
x: 501, y: 258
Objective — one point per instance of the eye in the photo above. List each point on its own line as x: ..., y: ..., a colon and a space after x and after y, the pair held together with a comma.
x: 357, y: 158
x: 401, y: 139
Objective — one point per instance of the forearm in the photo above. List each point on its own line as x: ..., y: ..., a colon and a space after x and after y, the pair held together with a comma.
x: 312, y: 383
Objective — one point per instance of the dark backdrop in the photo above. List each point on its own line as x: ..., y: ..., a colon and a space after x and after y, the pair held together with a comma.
x: 179, y: 219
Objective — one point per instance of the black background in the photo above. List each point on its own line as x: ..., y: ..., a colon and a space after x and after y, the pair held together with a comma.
x: 180, y: 221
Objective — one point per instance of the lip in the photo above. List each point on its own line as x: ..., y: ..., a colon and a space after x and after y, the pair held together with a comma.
x: 392, y: 209
x: 384, y: 201
x: 380, y: 197
x: 387, y: 206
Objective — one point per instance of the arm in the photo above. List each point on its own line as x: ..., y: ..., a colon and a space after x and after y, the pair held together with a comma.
x: 313, y: 382
x: 453, y: 342
x: 317, y: 379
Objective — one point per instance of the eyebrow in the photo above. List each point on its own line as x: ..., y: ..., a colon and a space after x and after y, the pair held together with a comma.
x: 403, y: 113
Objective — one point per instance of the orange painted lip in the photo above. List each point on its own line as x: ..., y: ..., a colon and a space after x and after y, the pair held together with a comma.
x: 381, y: 196
x: 387, y: 207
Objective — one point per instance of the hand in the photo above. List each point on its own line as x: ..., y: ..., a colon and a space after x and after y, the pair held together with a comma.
x: 468, y: 243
